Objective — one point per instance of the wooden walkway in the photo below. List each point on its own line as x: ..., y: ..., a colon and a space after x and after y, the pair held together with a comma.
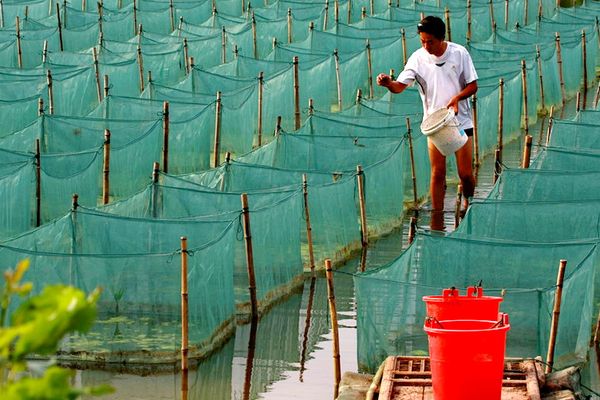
x: 409, y: 378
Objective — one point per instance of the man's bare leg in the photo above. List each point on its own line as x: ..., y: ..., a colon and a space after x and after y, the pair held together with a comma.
x: 464, y: 164
x: 437, y: 186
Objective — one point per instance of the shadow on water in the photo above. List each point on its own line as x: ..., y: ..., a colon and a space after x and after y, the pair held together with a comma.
x: 288, y: 352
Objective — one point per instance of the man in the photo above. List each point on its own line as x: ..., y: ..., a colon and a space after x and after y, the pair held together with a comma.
x: 446, y: 77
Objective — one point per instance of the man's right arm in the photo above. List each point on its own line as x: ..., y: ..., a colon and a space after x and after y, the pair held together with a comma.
x: 392, y: 85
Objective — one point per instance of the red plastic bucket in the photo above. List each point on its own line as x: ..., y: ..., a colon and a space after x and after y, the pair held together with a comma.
x: 451, y: 305
x: 467, y: 358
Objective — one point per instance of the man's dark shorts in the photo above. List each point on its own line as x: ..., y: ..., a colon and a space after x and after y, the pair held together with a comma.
x: 469, y: 132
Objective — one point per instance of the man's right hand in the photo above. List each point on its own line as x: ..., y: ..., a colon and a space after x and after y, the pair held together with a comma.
x: 384, y: 80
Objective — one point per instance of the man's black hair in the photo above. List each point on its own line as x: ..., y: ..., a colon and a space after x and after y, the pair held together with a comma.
x: 432, y: 25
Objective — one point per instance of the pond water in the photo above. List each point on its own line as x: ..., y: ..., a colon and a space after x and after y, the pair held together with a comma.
x: 288, y: 354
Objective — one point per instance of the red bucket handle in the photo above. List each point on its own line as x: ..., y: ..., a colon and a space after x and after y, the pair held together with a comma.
x: 429, y: 321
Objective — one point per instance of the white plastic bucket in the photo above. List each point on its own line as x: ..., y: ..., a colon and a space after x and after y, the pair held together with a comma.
x: 442, y: 128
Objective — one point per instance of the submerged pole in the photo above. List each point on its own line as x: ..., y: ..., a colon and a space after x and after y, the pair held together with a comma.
x: 457, y: 206
x: 249, y: 255
x: 413, y: 169
x: 334, y: 328
x: 555, y: 315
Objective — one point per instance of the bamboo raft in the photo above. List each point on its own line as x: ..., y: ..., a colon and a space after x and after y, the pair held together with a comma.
x: 409, y: 378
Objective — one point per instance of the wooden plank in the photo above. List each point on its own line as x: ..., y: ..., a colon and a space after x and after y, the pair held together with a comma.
x: 387, y: 385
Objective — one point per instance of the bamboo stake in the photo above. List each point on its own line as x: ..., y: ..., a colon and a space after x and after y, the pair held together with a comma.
x: 578, y: 102
x: 106, y: 168
x: 334, y: 328
x: 412, y: 229
x: 363, y: 13
x: 172, y: 15
x: 74, y: 202
x: 45, y: 52
x: 166, y: 125
x: 40, y: 106
x: 540, y: 14
x: 492, y: 19
x: 296, y: 95
x: 364, y: 232
x: 349, y: 14
x: 254, y: 45
x: 223, y: 46
x: 524, y: 86
x: 404, y: 51
x: 38, y: 184
x: 97, y: 74
x: 259, y: 125
x: 527, y: 152
x: 19, y: 48
x: 326, y: 16
x: 475, y: 131
x: 506, y: 14
x: 64, y: 19
x: 457, y: 206
x: 106, y: 87
x: 235, y: 51
x: 100, y: 20
x: 289, y: 25
x: 413, y: 170
x: 83, y: 5
x: 500, y: 117
x: 560, y: 69
x: 358, y: 96
x: 336, y: 12
x: 448, y: 28
x: 180, y: 27
x: 184, y: 305
x: 370, y: 69
x: 585, y: 70
x: 597, y: 96
x: 311, y: 255
x: 338, y: 79
x: 277, y: 126
x: 217, y: 144
x: 311, y: 107
x: 135, y: 20
x: 249, y: 255
x: 525, y: 12
x: 541, y: 76
x: 1, y: 14
x: 497, y: 168
x: 60, y: 35
x: 186, y: 55
x: 555, y: 315
x: 155, y: 176
x: 550, y: 124
x: 140, y: 61
x: 250, y: 360
x: 50, y: 92
x: 469, y: 20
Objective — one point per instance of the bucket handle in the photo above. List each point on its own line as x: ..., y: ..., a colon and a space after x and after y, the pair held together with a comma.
x: 501, y: 322
x: 429, y: 321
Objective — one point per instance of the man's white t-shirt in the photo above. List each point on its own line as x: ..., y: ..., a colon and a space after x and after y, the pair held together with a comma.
x: 439, y: 79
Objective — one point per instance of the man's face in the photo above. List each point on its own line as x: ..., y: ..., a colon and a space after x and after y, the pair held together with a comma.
x: 432, y: 44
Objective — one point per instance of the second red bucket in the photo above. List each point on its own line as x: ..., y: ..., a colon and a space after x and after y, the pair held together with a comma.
x: 451, y: 305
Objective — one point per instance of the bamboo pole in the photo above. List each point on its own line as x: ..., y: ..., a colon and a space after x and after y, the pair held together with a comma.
x: 358, y: 96
x: 311, y: 255
x: 506, y: 14
x: 58, y: 23
x: 1, y: 14
x: 363, y: 13
x: 525, y: 12
x: 597, y: 96
x: 538, y: 56
x: 74, y: 202
x: 404, y: 51
x: 106, y: 86
x: 578, y: 102
x: 526, y: 152
x: 19, y: 48
x: 277, y: 126
x: 296, y: 95
x: 585, y: 69
x: 338, y: 79
x: 497, y: 168
x: 289, y: 25
x: 259, y: 125
x: 540, y: 14
x: 97, y: 74
x: 250, y: 360
x: 311, y: 107
x: 413, y: 169
x: 500, y: 117
x: 100, y: 20
x: 140, y: 61
x: 492, y: 19
x: 349, y: 14
x: 45, y: 52
x: 155, y: 177
x: 180, y: 27
x: 186, y: 55
x: 334, y: 329
x: 83, y: 5
x: 555, y: 315
x: 550, y: 124
x: 235, y: 51
x: 26, y: 13
x: 560, y: 70
x: 254, y: 45
x: 457, y: 206
x: 106, y: 168
x: 165, y: 147
x: 217, y: 141
x: 524, y: 87
x: 412, y: 229
x: 475, y: 131
x: 40, y: 106
x: 326, y: 16
x: 448, y: 28
x: 184, y: 304
x: 370, y: 69
x: 38, y: 184
x: 135, y: 20
x: 172, y: 15
x: 223, y: 45
x: 249, y: 255
x: 469, y: 20
x: 360, y: 183
x: 50, y: 92
x: 336, y: 12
